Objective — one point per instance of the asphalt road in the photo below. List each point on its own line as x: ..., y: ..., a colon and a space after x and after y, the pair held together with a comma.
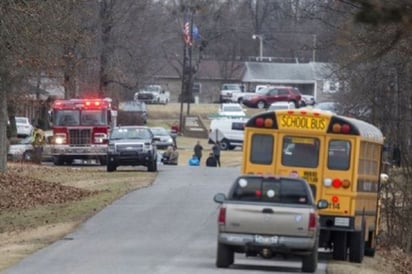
x: 169, y: 227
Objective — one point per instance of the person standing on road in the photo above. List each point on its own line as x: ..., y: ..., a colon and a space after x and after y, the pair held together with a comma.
x: 216, y: 152
x: 198, y: 150
x: 174, y: 131
x: 38, y: 143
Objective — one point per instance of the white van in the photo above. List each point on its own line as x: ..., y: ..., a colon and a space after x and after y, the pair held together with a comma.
x: 228, y: 132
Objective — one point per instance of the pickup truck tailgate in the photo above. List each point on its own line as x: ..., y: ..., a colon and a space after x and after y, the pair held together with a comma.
x: 267, y: 219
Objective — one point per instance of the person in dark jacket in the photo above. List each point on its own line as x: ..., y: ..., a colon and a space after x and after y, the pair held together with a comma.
x: 211, y: 160
x: 216, y: 152
x: 198, y: 150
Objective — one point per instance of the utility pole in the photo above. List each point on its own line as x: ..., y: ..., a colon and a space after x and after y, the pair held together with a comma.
x: 314, y: 48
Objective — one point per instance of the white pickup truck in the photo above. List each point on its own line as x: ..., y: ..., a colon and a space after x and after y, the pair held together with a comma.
x: 153, y: 94
x: 228, y: 90
x: 266, y: 216
x: 237, y: 97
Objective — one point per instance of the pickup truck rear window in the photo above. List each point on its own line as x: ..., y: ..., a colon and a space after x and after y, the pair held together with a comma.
x: 274, y: 190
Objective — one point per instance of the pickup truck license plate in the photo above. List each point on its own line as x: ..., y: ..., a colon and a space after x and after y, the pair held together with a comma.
x: 266, y: 239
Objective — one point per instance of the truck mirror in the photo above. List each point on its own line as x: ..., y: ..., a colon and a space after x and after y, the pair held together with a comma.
x: 219, y: 198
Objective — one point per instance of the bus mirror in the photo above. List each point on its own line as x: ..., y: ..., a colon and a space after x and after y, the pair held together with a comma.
x: 322, y: 204
x: 384, y: 177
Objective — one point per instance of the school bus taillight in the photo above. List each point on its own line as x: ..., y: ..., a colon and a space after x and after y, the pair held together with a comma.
x: 264, y: 122
x: 259, y: 122
x: 268, y: 123
x: 341, y: 128
x: 345, y: 183
x: 335, y: 199
x: 336, y: 183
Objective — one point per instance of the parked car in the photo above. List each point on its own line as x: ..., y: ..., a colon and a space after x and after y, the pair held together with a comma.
x: 307, y: 100
x: 132, y: 113
x: 153, y: 94
x: 281, y: 105
x: 268, y: 215
x: 228, y: 89
x: 23, y: 126
x: 231, y: 111
x: 271, y: 94
x: 131, y: 146
x: 228, y: 132
x: 164, y: 139
x: 23, y: 149
x: 329, y: 106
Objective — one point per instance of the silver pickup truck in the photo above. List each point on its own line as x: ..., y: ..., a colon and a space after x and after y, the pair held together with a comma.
x: 268, y: 215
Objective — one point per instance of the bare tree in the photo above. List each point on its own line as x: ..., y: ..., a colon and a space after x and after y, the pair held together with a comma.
x: 28, y: 31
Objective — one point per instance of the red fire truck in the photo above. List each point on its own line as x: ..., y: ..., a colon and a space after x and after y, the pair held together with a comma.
x: 80, y: 129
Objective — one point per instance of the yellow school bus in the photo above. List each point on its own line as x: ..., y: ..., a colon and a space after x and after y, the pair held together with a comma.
x: 339, y: 156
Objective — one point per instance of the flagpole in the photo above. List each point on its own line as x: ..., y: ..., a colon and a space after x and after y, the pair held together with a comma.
x: 182, y: 92
x: 190, y: 82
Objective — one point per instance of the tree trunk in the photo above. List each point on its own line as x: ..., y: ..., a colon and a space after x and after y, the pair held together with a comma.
x: 3, y: 127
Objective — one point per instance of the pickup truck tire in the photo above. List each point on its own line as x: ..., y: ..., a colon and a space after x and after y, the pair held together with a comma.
x: 310, y: 262
x: 110, y: 167
x: 357, y: 245
x: 103, y: 160
x: 261, y: 104
x: 225, y: 256
x: 340, y: 246
x: 152, y: 166
x: 58, y: 161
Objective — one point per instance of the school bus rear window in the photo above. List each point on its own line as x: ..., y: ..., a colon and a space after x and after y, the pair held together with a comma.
x: 339, y: 152
x: 300, y: 151
x: 262, y: 149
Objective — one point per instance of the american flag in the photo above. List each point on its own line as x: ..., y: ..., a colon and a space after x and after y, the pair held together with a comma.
x: 186, y: 34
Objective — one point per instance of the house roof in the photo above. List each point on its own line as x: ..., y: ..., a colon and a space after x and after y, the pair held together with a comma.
x: 208, y: 70
x: 260, y: 72
x: 255, y: 72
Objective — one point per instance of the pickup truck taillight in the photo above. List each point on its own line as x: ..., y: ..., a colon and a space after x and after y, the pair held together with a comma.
x: 312, y: 221
x: 222, y: 216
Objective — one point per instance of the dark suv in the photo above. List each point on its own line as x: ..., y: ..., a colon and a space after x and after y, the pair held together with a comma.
x: 266, y: 96
x: 131, y: 145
